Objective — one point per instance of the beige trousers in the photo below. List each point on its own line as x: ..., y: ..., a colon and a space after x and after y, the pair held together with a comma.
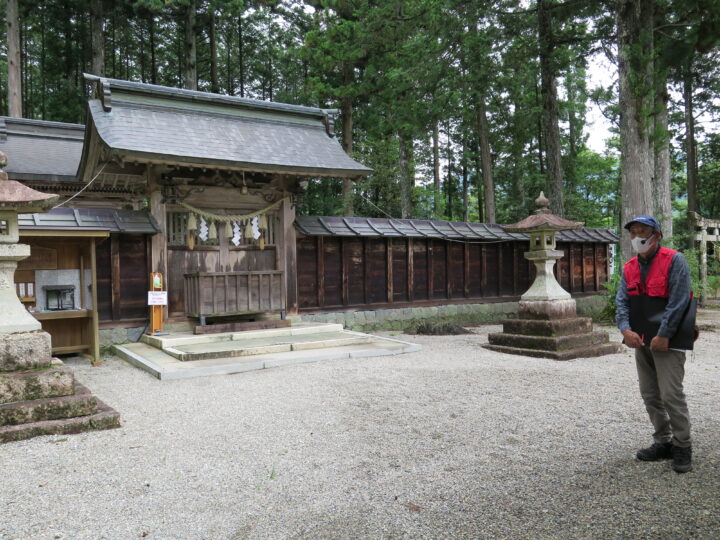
x: 661, y: 386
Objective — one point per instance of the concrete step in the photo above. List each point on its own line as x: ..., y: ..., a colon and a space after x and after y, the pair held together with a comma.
x: 177, y: 339
x: 264, y: 345
x: 166, y: 367
x: 545, y: 343
x: 81, y: 403
x: 29, y: 385
x: 568, y: 354
x: 103, y: 418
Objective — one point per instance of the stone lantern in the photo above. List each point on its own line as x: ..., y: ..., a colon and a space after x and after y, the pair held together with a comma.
x: 38, y: 394
x: 547, y: 325
x: 15, y: 198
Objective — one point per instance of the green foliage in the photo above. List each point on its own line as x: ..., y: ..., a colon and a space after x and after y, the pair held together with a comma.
x: 609, y: 311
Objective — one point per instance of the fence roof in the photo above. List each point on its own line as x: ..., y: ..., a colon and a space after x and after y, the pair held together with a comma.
x: 90, y: 219
x: 435, y: 229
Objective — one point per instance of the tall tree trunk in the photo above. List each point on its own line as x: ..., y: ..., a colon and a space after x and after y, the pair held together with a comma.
x: 214, y: 86
x: 13, y: 60
x: 436, y: 169
x: 153, y: 57
x: 448, y: 178
x: 98, y: 40
x: 486, y: 160
x: 540, y: 140
x: 346, y: 113
x: 241, y: 56
x: 661, y: 141
x: 465, y: 179
x: 479, y: 186
x: 230, y: 87
x: 690, y: 143
x: 550, y: 114
x: 635, y: 46
x: 406, y: 180
x: 190, y: 71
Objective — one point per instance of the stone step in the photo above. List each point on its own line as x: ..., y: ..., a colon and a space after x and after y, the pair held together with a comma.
x: 177, y: 339
x: 29, y: 385
x: 545, y: 343
x: 536, y: 327
x: 104, y: 418
x: 81, y: 403
x: 264, y: 345
x: 569, y: 354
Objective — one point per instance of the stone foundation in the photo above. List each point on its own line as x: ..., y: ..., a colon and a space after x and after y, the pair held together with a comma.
x: 462, y: 314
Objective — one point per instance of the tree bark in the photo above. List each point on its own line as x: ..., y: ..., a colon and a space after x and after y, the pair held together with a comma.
x: 635, y: 45
x: 436, y: 169
x: 13, y: 60
x: 190, y: 71
x: 465, y: 181
x: 153, y: 57
x: 98, y: 40
x: 661, y: 136
x: 550, y: 114
x: 346, y: 113
x: 486, y: 161
x: 406, y: 181
x: 241, y: 56
x: 214, y: 86
x: 690, y: 143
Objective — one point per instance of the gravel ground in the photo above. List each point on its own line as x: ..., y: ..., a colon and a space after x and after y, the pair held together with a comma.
x: 451, y: 442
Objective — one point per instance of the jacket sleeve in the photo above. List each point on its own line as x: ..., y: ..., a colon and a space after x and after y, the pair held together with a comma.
x: 622, y: 306
x: 678, y: 296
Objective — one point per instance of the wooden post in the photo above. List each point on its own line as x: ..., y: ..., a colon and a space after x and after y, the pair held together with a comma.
x: 115, y: 275
x: 596, y: 274
x: 290, y: 256
x: 410, y: 269
x: 466, y: 269
x: 430, y: 269
x: 389, y: 261
x: 344, y: 259
x: 571, y: 268
x: 366, y: 273
x: 158, y: 248
x: 500, y: 268
x: 94, y: 341
x: 321, y: 271
x: 515, y: 268
x: 448, y: 274
x: 483, y: 270
x: 703, y: 264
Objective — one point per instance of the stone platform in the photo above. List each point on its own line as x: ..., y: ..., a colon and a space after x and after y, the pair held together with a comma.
x: 40, y: 396
x: 182, y: 355
x: 551, y: 329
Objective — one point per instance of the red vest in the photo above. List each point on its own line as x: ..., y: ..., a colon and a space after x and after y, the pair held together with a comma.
x: 656, y: 281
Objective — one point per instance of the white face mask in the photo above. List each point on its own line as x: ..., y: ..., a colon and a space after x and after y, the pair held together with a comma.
x: 642, y: 245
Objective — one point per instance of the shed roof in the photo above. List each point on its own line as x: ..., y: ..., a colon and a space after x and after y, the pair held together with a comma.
x: 40, y: 150
x: 441, y: 230
x: 90, y: 219
x: 153, y: 123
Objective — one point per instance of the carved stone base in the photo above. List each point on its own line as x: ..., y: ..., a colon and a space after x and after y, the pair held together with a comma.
x: 547, y: 309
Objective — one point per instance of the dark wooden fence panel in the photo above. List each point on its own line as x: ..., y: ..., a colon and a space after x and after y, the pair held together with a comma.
x: 307, y: 271
x: 420, y: 270
x: 347, y: 272
x: 122, y: 266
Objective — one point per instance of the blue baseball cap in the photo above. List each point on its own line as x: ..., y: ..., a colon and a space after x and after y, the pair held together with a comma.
x: 645, y: 220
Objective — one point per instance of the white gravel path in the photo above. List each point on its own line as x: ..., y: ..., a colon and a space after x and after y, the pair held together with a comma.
x: 451, y: 442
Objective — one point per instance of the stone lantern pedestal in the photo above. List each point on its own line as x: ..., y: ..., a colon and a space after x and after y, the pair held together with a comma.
x: 38, y: 394
x: 547, y: 325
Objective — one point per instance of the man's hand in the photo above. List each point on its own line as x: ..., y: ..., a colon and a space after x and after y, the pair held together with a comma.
x: 660, y: 343
x: 632, y: 339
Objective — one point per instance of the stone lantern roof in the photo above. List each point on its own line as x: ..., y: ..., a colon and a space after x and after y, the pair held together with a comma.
x: 18, y: 197
x: 542, y: 220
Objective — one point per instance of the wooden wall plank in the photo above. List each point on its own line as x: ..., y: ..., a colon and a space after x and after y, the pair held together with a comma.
x: 389, y: 275
x: 410, y: 269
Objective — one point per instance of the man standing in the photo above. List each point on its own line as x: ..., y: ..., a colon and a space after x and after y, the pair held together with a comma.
x: 656, y: 285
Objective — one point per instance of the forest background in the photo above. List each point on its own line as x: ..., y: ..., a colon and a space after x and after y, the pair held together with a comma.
x: 465, y: 110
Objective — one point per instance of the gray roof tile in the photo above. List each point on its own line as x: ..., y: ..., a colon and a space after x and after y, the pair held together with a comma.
x: 90, y: 219
x: 39, y: 150
x: 422, y: 228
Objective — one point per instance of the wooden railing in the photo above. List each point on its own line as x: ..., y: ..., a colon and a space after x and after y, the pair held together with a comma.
x: 216, y: 294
